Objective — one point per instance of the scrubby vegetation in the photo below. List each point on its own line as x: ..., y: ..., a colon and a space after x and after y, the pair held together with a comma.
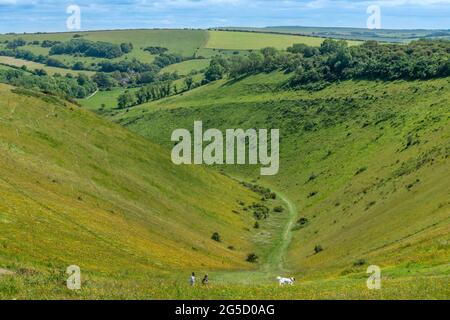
x: 89, y: 48
x: 67, y: 87
x: 335, y: 60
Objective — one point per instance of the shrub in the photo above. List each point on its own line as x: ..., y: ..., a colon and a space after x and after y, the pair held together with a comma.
x: 312, y: 194
x: 216, y: 237
x: 252, y: 258
x: 360, y: 170
x: 318, y: 249
x: 360, y: 262
x: 278, y: 209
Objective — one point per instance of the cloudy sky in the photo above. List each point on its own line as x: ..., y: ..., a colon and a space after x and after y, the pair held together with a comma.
x: 50, y: 15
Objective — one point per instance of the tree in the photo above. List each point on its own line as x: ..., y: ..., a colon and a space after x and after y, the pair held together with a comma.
x: 216, y: 70
x: 189, y: 82
x: 104, y: 80
x: 78, y: 65
x: 126, y: 47
x: 125, y: 100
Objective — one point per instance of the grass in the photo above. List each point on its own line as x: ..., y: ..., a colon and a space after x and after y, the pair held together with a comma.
x: 255, y: 41
x: 385, y: 35
x: 365, y: 163
x: 107, y: 98
x: 392, y: 213
x: 34, y: 65
x: 115, y: 204
x: 186, y: 67
x: 148, y: 286
x: 188, y: 43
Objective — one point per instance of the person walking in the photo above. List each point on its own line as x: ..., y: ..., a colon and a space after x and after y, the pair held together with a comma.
x: 192, y: 279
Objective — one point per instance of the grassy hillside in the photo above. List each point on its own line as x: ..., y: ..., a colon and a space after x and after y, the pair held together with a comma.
x: 365, y: 162
x: 76, y: 189
x: 106, y: 98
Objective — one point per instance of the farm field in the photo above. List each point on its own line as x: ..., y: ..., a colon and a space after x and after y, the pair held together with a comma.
x: 106, y: 98
x: 384, y: 35
x: 34, y: 65
x: 253, y: 41
x: 185, y: 67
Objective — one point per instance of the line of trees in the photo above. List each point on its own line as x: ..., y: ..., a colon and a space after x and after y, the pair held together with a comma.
x: 145, y: 94
x: 89, y: 48
x: 67, y: 87
x: 335, y: 60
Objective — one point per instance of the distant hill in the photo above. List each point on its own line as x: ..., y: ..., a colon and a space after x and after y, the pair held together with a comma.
x: 383, y: 35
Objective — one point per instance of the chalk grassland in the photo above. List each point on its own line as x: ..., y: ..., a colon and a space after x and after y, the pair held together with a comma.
x: 366, y: 164
x: 253, y: 41
x: 106, y: 98
x: 10, y: 61
x: 76, y: 189
x: 186, y: 67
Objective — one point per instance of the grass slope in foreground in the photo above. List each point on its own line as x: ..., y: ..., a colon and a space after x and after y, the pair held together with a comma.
x: 75, y: 189
x: 365, y: 162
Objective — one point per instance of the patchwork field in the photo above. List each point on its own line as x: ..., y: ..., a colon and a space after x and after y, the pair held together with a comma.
x: 253, y: 41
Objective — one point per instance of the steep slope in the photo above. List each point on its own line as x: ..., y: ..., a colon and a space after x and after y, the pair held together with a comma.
x: 76, y: 189
x: 366, y: 163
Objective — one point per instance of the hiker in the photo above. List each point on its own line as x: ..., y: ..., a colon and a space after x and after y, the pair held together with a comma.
x: 192, y: 280
x: 205, y: 280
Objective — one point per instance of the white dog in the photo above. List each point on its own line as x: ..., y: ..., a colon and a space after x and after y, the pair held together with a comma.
x: 286, y: 281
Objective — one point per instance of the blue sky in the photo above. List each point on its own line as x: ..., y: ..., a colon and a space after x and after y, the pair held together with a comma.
x: 50, y: 15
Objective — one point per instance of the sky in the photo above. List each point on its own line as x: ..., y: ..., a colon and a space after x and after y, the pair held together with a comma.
x: 51, y: 15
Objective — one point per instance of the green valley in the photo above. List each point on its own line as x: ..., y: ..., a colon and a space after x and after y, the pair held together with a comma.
x: 87, y: 179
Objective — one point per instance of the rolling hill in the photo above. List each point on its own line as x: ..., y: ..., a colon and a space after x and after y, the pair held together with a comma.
x: 76, y: 189
x: 365, y: 162
x: 363, y: 178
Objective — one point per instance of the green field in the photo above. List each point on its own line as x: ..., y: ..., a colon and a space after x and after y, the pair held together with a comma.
x: 184, y: 42
x: 254, y: 41
x: 34, y: 65
x: 107, y: 98
x: 383, y: 35
x: 186, y: 67
x: 363, y: 180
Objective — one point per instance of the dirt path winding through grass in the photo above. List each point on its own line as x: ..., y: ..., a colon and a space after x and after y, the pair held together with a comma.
x: 276, y: 258
x: 274, y: 264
